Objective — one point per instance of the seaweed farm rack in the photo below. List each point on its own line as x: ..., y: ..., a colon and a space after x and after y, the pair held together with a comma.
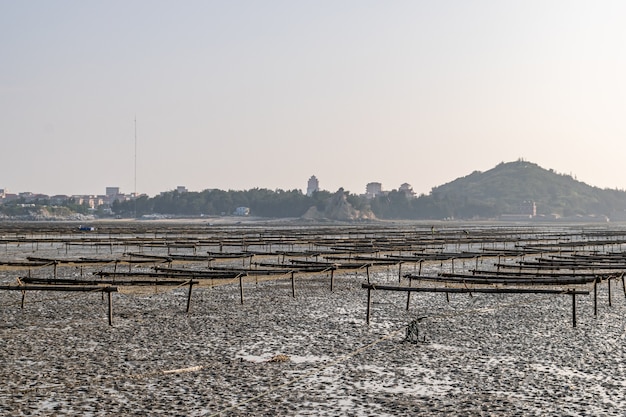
x: 449, y: 258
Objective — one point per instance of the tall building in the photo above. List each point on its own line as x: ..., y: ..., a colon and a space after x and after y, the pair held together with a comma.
x: 373, y: 189
x: 312, y: 186
x: 112, y: 191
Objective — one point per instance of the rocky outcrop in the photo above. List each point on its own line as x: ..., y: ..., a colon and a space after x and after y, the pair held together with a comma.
x: 49, y: 214
x: 338, y: 208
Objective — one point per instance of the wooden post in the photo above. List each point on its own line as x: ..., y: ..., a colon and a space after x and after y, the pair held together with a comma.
x: 293, y: 285
x: 595, y: 297
x: 408, y: 295
x: 189, y: 295
x: 23, y: 296
x: 241, y: 287
x: 573, y: 308
x: 400, y: 272
x: 623, y: 285
x: 332, y: 279
x: 55, y: 269
x: 369, y: 304
x: 608, y: 281
x: 110, y: 309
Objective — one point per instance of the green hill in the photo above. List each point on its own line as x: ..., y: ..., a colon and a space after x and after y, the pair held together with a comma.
x: 502, y: 189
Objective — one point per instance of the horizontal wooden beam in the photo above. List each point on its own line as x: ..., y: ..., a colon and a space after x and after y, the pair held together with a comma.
x: 474, y: 290
x: 79, y: 288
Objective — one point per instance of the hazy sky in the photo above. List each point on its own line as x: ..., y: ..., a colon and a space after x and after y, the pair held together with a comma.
x: 242, y: 94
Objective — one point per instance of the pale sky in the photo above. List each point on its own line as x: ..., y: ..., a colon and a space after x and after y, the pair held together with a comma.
x: 243, y: 94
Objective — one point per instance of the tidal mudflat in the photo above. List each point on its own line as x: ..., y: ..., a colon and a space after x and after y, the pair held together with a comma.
x: 309, y: 355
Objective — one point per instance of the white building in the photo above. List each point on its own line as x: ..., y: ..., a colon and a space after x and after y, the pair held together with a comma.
x: 242, y: 211
x: 312, y: 186
x: 373, y: 189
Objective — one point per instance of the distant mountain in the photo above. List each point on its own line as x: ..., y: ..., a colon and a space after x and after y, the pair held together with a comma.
x: 503, y: 189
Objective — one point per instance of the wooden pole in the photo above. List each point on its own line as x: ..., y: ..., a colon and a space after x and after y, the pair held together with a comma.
x: 241, y: 287
x: 369, y: 305
x: 400, y: 272
x: 608, y: 281
x: 293, y: 285
x: 573, y: 309
x: 408, y: 295
x: 110, y: 309
x: 623, y: 285
x: 189, y: 295
x: 332, y: 279
x: 595, y: 297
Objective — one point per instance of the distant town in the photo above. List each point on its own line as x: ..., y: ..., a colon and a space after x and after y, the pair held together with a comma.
x: 113, y: 194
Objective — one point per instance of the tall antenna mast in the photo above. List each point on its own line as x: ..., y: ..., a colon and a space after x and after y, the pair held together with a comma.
x: 135, y: 166
x: 135, y: 156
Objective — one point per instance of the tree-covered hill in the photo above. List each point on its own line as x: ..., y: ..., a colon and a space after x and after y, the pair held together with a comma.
x: 501, y: 190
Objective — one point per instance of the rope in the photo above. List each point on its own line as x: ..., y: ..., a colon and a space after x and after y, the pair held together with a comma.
x: 135, y: 289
